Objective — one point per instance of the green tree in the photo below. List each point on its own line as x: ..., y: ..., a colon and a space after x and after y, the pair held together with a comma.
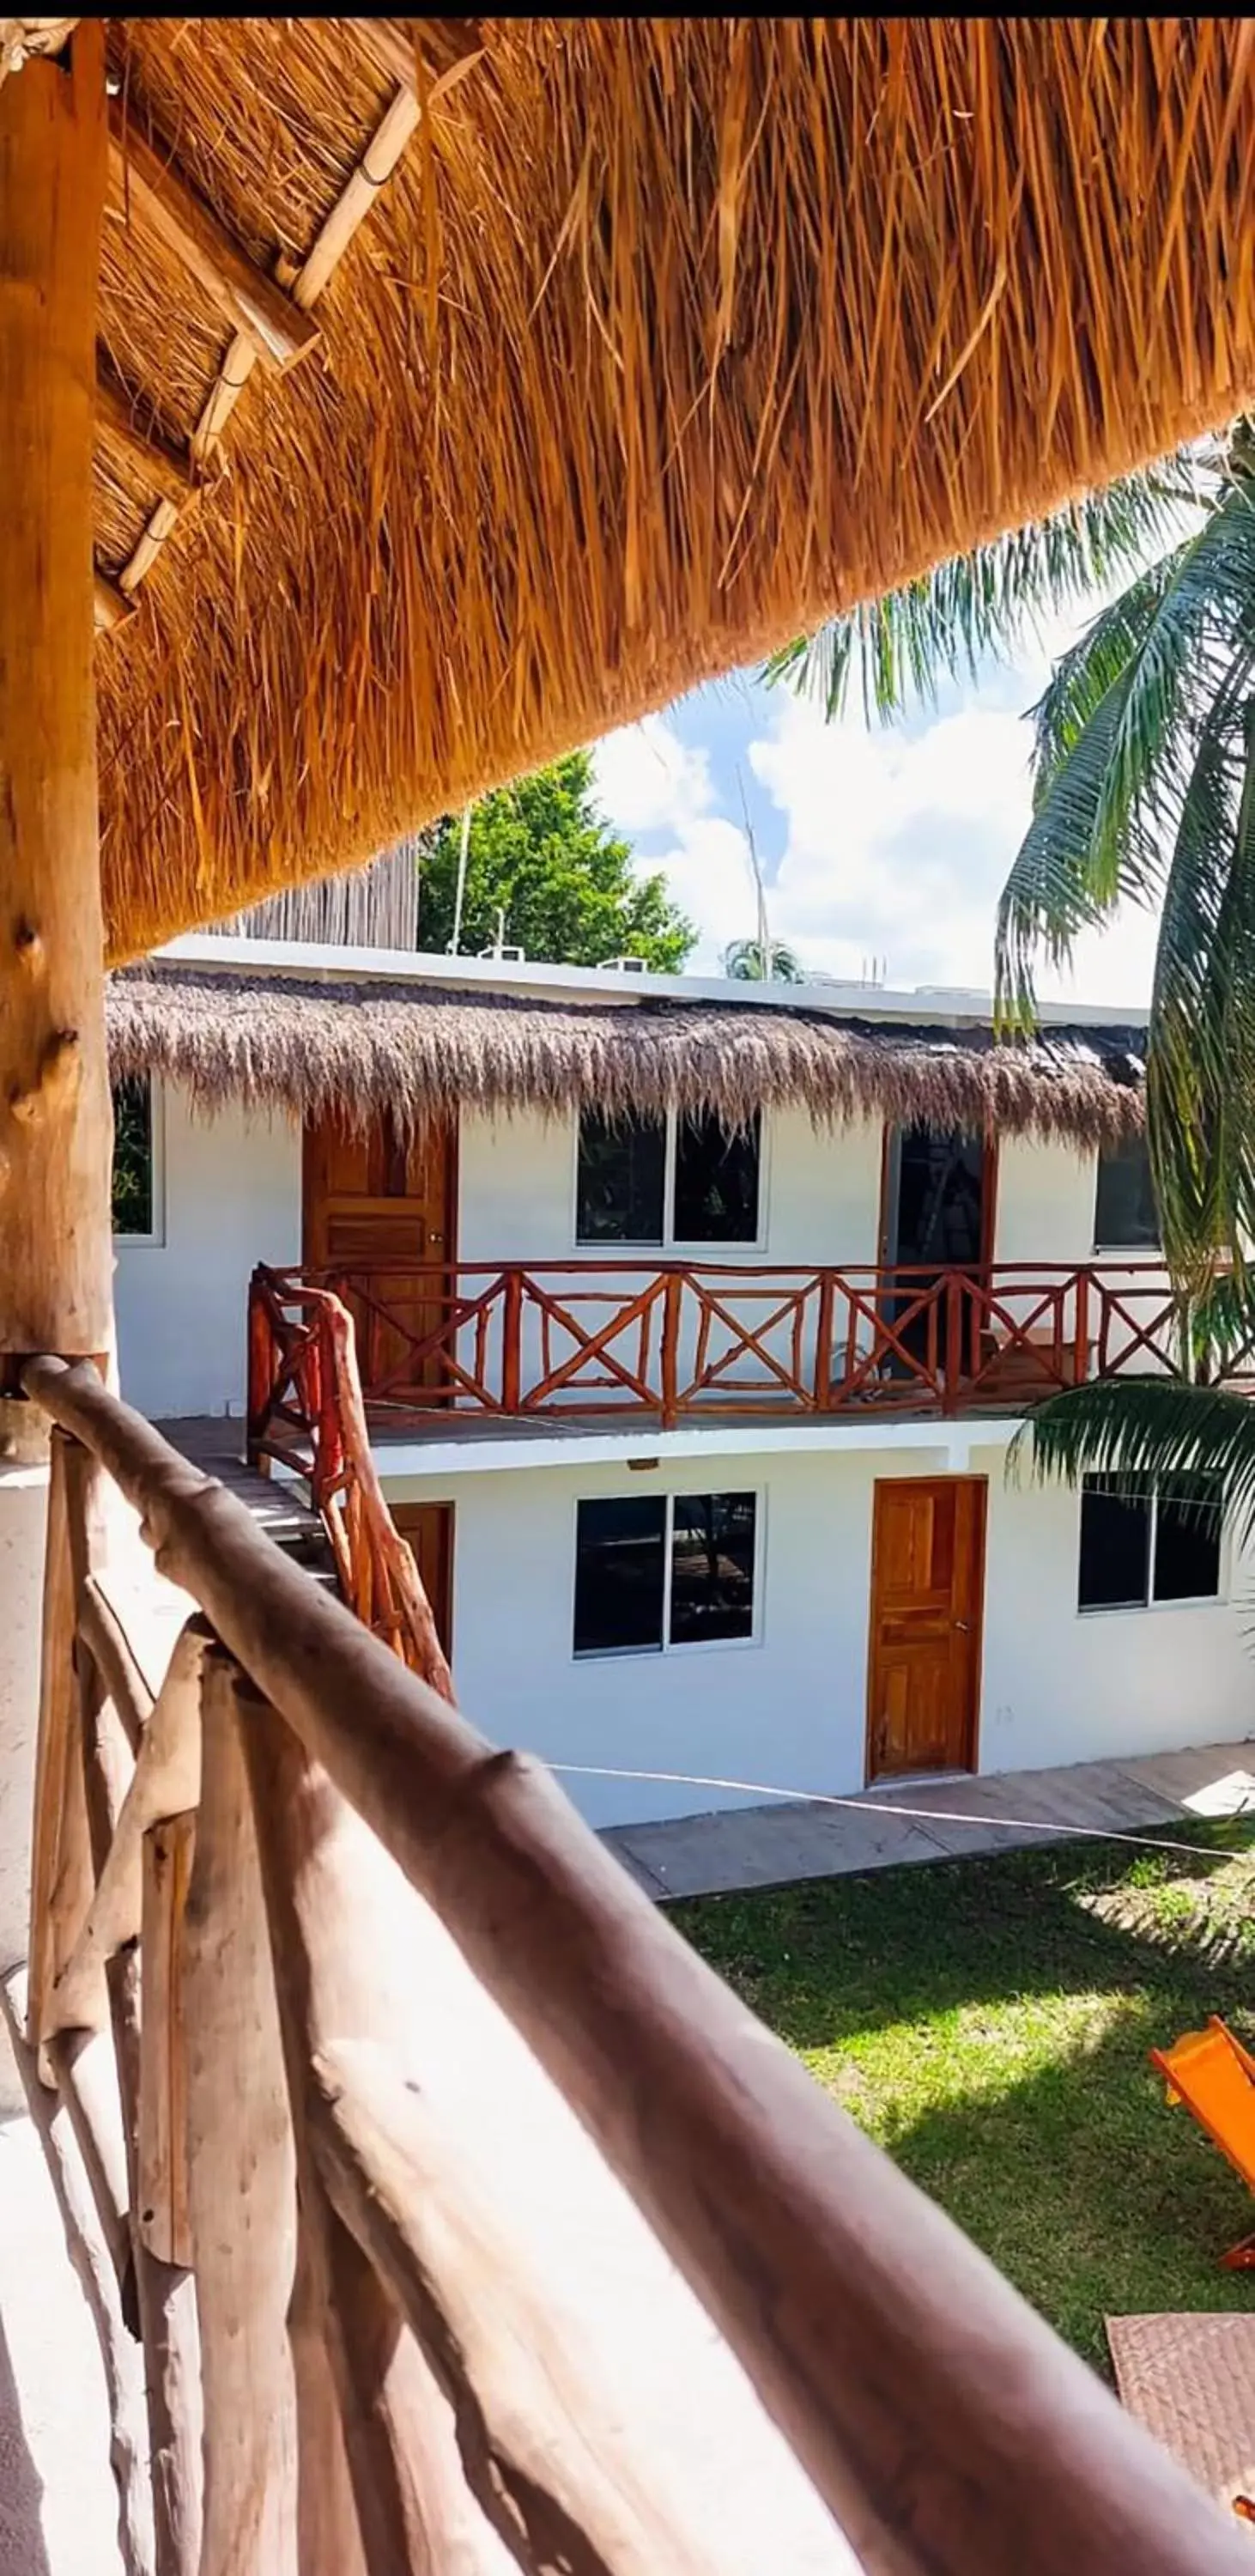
x: 753, y: 961
x: 541, y: 852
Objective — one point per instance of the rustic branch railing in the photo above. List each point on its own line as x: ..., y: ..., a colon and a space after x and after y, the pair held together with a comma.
x: 303, y: 1380
x: 368, y: 2353
x: 681, y: 1343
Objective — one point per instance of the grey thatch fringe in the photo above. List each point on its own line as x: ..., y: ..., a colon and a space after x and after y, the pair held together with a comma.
x: 350, y: 1047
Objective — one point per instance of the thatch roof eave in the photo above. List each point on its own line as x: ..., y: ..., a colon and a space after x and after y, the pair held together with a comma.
x: 665, y: 338
x: 335, y: 1046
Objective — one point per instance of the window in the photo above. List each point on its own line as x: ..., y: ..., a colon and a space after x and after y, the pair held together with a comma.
x: 1124, y: 1202
x: 134, y: 1187
x: 1139, y: 1547
x: 658, y: 1180
x: 653, y: 1571
x: 716, y: 1183
x: 622, y: 1170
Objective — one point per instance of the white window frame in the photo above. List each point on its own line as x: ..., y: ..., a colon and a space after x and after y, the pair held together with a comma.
x: 1216, y: 1600
x: 686, y: 1645
x: 669, y: 1241
x: 154, y: 1240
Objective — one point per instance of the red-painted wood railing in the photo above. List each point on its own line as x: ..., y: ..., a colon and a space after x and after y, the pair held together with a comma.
x: 305, y: 1407
x: 680, y: 1342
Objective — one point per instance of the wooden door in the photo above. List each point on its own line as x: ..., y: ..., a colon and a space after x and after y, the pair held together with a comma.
x: 428, y: 1529
x: 928, y: 1589
x: 379, y: 1214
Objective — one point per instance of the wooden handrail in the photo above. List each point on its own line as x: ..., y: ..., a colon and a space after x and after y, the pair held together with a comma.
x: 677, y: 1341
x: 945, y: 2425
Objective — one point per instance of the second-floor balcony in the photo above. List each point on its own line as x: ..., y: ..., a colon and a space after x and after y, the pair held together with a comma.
x: 671, y: 1342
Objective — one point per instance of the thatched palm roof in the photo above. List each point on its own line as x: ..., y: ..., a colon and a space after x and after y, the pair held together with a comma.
x: 426, y: 1051
x: 665, y: 337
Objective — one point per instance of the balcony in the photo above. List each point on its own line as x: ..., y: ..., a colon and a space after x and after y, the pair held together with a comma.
x: 661, y: 1344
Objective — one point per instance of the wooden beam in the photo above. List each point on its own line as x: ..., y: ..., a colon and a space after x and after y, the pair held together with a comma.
x: 110, y: 606
x: 331, y: 241
x: 451, y: 47
x: 155, y: 191
x: 56, y: 1277
x: 167, y: 467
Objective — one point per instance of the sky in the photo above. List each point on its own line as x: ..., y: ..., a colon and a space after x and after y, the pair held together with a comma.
x: 888, y: 844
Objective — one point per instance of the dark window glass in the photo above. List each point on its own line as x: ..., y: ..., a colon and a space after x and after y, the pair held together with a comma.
x: 1115, y: 1546
x: 1187, y: 1540
x: 133, y: 1155
x: 712, y: 1567
x: 1124, y: 1203
x: 620, y: 1185
x: 716, y: 1182
x: 618, y: 1573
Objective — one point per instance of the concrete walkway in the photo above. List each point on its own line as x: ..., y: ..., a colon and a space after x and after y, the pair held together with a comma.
x: 745, y: 1847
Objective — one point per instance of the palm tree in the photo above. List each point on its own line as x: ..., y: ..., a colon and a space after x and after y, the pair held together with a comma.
x: 964, y: 613
x: 1144, y: 790
x: 762, y: 961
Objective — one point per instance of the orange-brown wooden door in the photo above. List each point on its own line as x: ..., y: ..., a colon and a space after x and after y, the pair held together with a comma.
x: 379, y: 1213
x: 928, y: 1584
x: 428, y: 1530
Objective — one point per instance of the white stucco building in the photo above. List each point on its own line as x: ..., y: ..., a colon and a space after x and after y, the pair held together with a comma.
x: 698, y: 1416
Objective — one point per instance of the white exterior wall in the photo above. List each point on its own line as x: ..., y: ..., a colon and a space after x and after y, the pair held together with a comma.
x: 819, y: 1203
x: 228, y: 1195
x: 516, y: 1193
x: 788, y: 1710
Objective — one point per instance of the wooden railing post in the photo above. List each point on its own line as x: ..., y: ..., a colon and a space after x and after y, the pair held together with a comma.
x: 261, y: 1370
x: 951, y: 1368
x: 672, y: 1304
x: 823, y: 1343
x: 512, y: 1340
x: 1080, y: 1360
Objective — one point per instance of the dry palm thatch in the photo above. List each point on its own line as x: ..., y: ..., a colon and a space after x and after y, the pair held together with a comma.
x: 667, y: 337
x: 425, y: 1052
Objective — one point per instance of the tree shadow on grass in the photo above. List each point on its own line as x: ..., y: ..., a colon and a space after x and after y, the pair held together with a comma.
x: 831, y: 1958
x: 988, y: 2021
x: 1091, y: 2194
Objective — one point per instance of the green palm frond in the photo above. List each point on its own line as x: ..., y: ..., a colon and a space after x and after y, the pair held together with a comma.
x: 1140, y: 1429
x: 749, y: 961
x: 1201, y: 1055
x: 983, y: 604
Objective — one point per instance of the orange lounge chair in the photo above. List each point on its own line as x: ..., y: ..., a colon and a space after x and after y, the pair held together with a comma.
x: 1211, y: 2072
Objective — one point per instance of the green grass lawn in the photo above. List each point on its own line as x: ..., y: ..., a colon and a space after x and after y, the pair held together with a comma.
x: 988, y: 2022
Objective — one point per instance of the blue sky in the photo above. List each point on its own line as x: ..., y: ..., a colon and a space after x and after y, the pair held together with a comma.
x: 889, y: 843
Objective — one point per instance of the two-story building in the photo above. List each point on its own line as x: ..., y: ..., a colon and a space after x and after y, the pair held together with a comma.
x: 696, y: 1323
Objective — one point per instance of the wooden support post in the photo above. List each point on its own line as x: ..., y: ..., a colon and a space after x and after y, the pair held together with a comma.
x: 241, y: 2174
x: 55, y: 1114
x: 318, y: 1868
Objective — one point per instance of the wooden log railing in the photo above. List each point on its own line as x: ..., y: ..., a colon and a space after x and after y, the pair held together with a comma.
x: 680, y: 1343
x: 378, y: 2374
x: 303, y: 1377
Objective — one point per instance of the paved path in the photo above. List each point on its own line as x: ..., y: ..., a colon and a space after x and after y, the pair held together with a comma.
x: 744, y: 1847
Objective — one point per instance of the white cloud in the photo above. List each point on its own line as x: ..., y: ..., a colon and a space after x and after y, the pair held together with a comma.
x: 895, y: 845
x: 648, y: 781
